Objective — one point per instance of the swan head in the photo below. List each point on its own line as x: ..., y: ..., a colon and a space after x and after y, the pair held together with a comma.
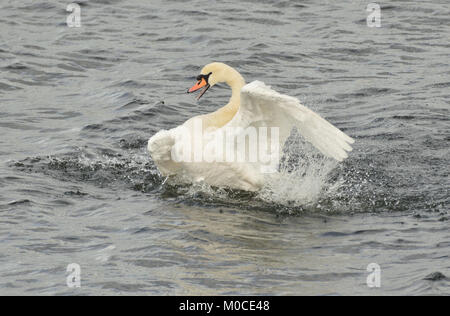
x: 215, y: 73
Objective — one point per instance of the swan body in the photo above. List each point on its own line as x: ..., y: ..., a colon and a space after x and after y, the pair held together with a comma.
x: 199, y: 149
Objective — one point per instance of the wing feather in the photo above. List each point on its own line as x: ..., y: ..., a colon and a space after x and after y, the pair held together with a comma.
x: 262, y: 106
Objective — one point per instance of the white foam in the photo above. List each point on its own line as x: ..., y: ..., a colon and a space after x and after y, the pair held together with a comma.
x: 303, y: 184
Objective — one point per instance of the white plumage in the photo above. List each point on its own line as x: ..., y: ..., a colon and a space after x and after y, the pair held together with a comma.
x: 256, y: 106
x: 262, y: 106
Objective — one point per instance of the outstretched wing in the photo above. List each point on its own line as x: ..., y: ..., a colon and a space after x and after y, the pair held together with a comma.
x: 263, y: 107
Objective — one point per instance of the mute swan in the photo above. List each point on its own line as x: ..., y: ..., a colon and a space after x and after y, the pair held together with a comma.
x: 195, y: 150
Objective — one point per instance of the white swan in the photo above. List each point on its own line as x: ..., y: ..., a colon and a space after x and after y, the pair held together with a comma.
x: 199, y: 150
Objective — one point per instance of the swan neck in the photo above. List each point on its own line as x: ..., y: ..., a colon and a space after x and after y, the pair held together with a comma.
x: 225, y: 114
x: 236, y: 84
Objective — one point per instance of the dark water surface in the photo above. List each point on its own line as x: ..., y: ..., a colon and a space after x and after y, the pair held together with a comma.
x: 77, y: 106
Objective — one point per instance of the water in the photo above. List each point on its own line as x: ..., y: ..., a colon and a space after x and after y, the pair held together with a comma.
x: 77, y: 106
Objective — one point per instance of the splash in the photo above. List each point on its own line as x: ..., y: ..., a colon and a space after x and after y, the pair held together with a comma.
x: 101, y: 168
x: 305, y: 177
x: 306, y: 181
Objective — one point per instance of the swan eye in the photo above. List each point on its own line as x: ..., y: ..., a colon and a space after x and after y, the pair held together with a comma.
x: 206, y: 77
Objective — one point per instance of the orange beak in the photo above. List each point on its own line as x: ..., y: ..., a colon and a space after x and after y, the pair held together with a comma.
x: 198, y: 86
x: 202, y: 83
